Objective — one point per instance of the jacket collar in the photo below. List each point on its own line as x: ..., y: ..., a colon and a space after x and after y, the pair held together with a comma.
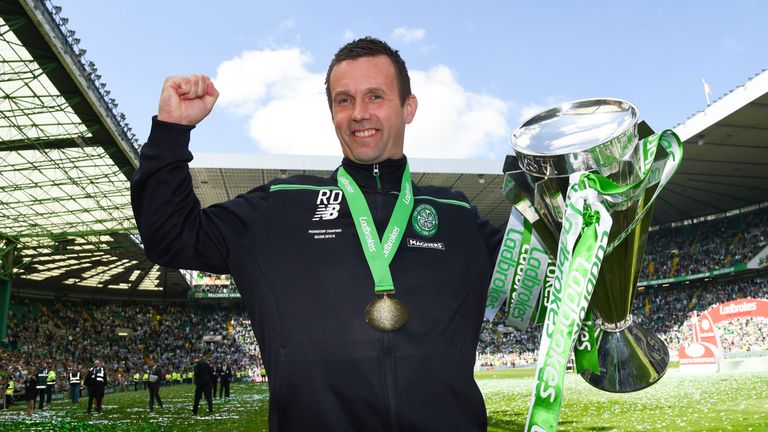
x: 390, y: 174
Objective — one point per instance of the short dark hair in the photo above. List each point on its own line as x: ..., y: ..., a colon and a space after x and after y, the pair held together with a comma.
x: 371, y: 47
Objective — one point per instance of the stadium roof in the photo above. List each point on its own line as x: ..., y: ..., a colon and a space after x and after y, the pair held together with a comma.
x: 66, y: 155
x: 725, y: 161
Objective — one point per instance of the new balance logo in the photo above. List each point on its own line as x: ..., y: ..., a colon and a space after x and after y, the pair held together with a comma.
x: 327, y: 205
x: 326, y: 212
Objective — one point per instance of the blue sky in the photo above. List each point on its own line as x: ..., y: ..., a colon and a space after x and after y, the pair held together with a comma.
x: 478, y: 67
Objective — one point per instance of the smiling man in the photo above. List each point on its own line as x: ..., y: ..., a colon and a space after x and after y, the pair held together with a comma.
x: 366, y: 292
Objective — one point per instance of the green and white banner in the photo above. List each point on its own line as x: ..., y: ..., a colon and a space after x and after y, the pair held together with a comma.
x: 519, y: 274
x: 506, y: 263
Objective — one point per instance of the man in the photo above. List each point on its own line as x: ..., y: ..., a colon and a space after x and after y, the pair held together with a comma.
x: 74, y: 384
x: 309, y: 261
x: 203, y: 376
x: 10, y: 387
x: 226, y: 379
x: 42, y: 385
x: 50, y: 385
x: 96, y: 382
x: 153, y: 385
x: 30, y: 389
x: 145, y: 378
x: 136, y: 380
x: 217, y: 371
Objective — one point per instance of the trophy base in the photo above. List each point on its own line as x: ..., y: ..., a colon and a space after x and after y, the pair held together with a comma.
x: 630, y: 357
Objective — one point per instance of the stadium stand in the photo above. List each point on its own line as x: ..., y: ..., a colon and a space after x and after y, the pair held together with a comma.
x: 69, y: 331
x: 705, y: 246
x: 125, y: 337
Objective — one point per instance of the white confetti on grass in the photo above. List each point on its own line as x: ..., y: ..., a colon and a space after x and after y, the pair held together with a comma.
x: 726, y: 401
x: 677, y: 402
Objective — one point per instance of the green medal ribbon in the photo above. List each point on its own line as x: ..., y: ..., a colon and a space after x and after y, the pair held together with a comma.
x: 378, y: 254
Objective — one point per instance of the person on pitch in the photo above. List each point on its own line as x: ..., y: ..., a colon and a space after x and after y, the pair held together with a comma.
x: 153, y: 384
x: 203, y: 376
x: 365, y: 291
x: 96, y: 382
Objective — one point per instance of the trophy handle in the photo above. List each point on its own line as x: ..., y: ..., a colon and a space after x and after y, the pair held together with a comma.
x: 630, y: 358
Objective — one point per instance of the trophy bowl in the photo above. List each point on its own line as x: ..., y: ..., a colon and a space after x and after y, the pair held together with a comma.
x: 602, y: 136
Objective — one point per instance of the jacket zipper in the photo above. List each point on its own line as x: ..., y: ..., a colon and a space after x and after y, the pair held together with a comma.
x: 388, y: 359
x: 376, y: 176
x: 386, y: 347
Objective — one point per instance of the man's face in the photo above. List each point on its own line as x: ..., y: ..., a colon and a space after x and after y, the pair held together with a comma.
x: 366, y: 110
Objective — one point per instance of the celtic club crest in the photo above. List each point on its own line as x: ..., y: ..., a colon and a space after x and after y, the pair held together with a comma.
x: 424, y: 220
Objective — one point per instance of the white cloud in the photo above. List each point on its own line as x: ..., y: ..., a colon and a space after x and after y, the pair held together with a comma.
x: 452, y: 122
x: 285, y: 103
x: 288, y: 113
x: 407, y: 35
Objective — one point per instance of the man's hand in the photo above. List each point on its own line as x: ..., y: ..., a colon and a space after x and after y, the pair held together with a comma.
x: 187, y: 99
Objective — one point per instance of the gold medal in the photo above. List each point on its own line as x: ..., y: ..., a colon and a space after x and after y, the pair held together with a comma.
x: 386, y: 314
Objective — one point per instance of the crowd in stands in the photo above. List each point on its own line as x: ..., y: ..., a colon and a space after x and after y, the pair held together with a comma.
x: 744, y: 335
x: 63, y: 335
x: 705, y: 246
x: 664, y: 311
x: 126, y: 337
x: 66, y: 333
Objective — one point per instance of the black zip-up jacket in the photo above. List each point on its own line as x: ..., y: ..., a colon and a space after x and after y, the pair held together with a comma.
x: 292, y: 248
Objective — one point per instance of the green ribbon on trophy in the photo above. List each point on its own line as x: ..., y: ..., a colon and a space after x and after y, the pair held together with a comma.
x: 519, y: 274
x: 582, y: 246
x: 383, y: 313
x: 578, y: 264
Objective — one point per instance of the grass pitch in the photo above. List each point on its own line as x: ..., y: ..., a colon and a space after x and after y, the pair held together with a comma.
x: 722, y: 402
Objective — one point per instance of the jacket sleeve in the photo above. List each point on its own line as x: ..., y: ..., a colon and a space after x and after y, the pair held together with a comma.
x: 174, y: 229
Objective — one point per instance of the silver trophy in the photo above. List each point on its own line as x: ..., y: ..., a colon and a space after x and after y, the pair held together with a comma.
x: 595, y: 135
